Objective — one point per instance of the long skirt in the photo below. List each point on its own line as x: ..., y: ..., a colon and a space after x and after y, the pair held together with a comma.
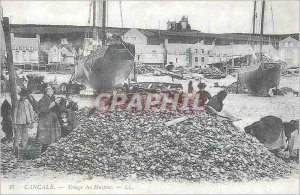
x: 48, y: 130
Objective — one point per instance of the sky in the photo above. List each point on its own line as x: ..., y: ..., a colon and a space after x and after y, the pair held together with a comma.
x: 206, y: 16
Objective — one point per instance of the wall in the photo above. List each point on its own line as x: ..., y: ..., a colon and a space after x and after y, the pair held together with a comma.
x: 54, y: 55
x: 289, y: 51
x: 149, y: 54
x: 25, y: 56
x: 25, y: 50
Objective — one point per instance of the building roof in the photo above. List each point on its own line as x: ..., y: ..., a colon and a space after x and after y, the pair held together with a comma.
x: 66, y: 52
x: 289, y: 39
x: 67, y: 46
x: 149, y: 33
x: 25, y: 42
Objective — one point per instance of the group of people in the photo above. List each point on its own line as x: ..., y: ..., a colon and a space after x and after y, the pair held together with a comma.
x: 55, y: 116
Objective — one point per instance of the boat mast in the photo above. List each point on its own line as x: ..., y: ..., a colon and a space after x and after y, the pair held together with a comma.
x: 254, y: 20
x: 95, y: 32
x: 103, y: 24
x: 261, y: 30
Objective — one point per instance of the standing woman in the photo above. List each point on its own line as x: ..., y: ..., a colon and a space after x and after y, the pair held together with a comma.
x: 48, y: 130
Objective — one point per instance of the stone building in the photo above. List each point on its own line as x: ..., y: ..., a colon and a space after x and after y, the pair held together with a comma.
x: 150, y: 55
x: 25, y: 50
x: 289, y: 51
x: 182, y: 25
x: 62, y: 54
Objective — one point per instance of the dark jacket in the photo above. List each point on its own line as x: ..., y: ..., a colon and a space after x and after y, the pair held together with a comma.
x: 269, y: 130
x: 204, y: 96
x: 216, y: 102
x: 48, y: 130
x: 6, y: 113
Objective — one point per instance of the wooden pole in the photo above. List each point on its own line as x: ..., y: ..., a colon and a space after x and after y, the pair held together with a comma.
x: 262, y: 30
x: 237, y: 85
x: 134, y: 71
x: 254, y: 18
x: 104, y: 24
x: 10, y: 64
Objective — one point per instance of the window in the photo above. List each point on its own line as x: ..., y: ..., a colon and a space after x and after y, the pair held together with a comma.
x: 176, y: 60
x: 196, y: 59
x: 20, y: 48
x: 202, y: 59
x: 292, y: 44
x: 202, y: 50
x: 196, y: 50
x: 138, y: 57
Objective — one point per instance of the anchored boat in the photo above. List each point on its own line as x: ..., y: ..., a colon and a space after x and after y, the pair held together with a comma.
x: 261, y: 77
x: 108, y: 65
x: 263, y: 74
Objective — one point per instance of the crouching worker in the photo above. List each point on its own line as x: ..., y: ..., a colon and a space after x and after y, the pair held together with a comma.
x: 292, y: 133
x: 24, y: 118
x: 269, y: 131
x: 215, y: 106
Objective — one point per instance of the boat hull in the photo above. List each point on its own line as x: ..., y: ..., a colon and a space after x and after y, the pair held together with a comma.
x: 106, y: 67
x: 261, y: 78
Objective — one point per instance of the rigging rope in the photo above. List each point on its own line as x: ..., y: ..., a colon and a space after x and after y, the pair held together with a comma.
x: 273, y: 25
x: 128, y: 50
x: 106, y: 13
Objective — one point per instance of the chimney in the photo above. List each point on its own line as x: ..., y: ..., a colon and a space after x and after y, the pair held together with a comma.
x: 202, y: 42
x: 38, y: 37
x: 64, y: 41
x: 214, y: 43
x: 12, y: 35
x: 231, y: 44
x: 166, y: 41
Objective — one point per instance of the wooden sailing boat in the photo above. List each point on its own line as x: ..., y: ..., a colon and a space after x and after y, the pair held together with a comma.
x: 108, y: 65
x: 260, y: 76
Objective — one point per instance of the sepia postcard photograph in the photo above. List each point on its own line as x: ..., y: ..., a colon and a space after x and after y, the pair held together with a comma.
x: 149, y: 97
